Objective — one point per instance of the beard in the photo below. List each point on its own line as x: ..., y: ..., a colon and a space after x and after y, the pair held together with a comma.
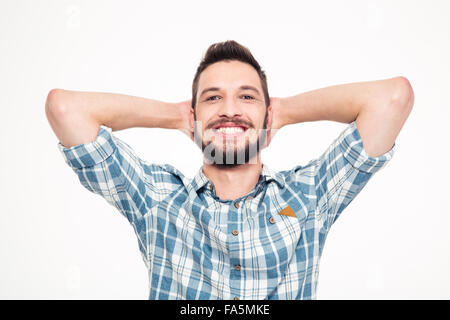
x: 229, y: 153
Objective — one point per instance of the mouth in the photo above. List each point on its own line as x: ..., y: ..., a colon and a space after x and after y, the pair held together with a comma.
x: 229, y: 129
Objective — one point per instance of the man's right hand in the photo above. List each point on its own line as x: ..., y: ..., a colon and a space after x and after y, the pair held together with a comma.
x: 185, y: 109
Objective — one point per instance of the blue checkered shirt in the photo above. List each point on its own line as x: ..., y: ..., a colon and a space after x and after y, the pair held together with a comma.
x: 264, y: 245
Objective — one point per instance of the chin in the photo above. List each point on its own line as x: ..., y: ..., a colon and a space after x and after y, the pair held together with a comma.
x: 230, y: 157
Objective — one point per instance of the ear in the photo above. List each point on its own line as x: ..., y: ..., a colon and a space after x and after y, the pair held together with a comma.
x: 269, y: 123
x: 270, y: 114
x: 191, y: 119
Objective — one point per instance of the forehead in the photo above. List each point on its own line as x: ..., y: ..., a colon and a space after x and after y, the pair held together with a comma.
x: 228, y: 74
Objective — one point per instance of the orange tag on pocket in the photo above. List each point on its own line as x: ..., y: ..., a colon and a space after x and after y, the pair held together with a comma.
x: 288, y: 212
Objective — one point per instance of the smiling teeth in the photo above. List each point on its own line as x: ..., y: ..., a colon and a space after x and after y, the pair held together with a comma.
x: 230, y: 130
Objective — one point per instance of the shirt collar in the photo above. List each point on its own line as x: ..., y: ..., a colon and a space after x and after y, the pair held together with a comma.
x: 200, y: 180
x: 268, y: 174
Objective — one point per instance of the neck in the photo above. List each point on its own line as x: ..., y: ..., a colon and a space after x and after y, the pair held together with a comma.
x: 232, y: 183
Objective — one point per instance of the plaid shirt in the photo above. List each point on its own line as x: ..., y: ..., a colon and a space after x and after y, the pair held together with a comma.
x: 264, y: 245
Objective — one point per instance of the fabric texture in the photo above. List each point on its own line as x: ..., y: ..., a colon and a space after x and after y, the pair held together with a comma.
x: 197, y: 246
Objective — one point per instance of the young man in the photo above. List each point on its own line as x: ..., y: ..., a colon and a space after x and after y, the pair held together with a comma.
x: 237, y: 230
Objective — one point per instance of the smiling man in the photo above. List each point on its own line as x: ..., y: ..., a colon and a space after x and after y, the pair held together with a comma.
x: 230, y: 119
x: 237, y: 230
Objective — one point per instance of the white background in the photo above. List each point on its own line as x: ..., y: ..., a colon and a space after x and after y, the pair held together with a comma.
x: 59, y: 241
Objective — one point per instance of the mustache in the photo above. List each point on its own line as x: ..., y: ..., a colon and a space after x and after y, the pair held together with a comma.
x: 232, y: 120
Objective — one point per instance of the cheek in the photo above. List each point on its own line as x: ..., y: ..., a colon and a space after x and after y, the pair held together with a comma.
x: 203, y: 116
x: 199, y: 122
x: 258, y: 120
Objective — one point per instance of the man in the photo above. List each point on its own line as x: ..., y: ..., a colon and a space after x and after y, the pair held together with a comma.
x: 237, y: 230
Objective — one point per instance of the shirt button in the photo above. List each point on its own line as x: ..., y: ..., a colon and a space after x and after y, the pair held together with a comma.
x: 272, y: 220
x: 210, y: 187
x: 236, y: 205
x: 237, y: 267
x: 235, y: 232
x: 236, y: 298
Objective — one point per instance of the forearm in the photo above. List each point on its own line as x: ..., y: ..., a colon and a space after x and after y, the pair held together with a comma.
x: 76, y: 116
x: 340, y: 103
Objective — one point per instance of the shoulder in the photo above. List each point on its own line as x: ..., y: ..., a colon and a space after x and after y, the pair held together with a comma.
x: 164, y: 175
x: 300, y: 176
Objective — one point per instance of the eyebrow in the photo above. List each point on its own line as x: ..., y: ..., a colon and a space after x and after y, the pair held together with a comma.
x: 243, y: 87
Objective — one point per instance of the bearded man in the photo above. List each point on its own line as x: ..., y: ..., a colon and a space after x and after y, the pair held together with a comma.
x: 237, y: 230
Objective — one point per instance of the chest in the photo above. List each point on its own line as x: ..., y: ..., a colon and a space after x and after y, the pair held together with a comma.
x: 252, y: 231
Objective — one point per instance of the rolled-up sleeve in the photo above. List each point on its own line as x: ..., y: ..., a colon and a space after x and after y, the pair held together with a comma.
x: 110, y: 168
x: 343, y: 170
x: 91, y: 153
x: 350, y: 143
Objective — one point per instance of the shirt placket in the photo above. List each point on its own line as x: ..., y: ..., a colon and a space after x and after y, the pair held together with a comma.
x: 235, y: 256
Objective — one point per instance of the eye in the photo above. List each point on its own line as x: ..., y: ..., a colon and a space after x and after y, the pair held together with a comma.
x: 210, y: 98
x: 245, y: 95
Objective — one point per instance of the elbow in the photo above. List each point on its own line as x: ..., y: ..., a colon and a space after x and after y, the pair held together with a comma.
x: 403, y: 95
x: 55, y: 106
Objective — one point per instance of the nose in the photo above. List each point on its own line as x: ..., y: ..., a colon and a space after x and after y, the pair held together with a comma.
x: 230, y: 108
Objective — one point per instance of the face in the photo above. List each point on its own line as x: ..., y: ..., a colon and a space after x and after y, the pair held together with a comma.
x: 231, y: 114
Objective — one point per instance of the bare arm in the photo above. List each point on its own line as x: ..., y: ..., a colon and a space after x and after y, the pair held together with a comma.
x: 379, y: 107
x: 76, y: 116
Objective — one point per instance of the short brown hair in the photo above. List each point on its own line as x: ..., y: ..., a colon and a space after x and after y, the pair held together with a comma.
x: 229, y: 50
